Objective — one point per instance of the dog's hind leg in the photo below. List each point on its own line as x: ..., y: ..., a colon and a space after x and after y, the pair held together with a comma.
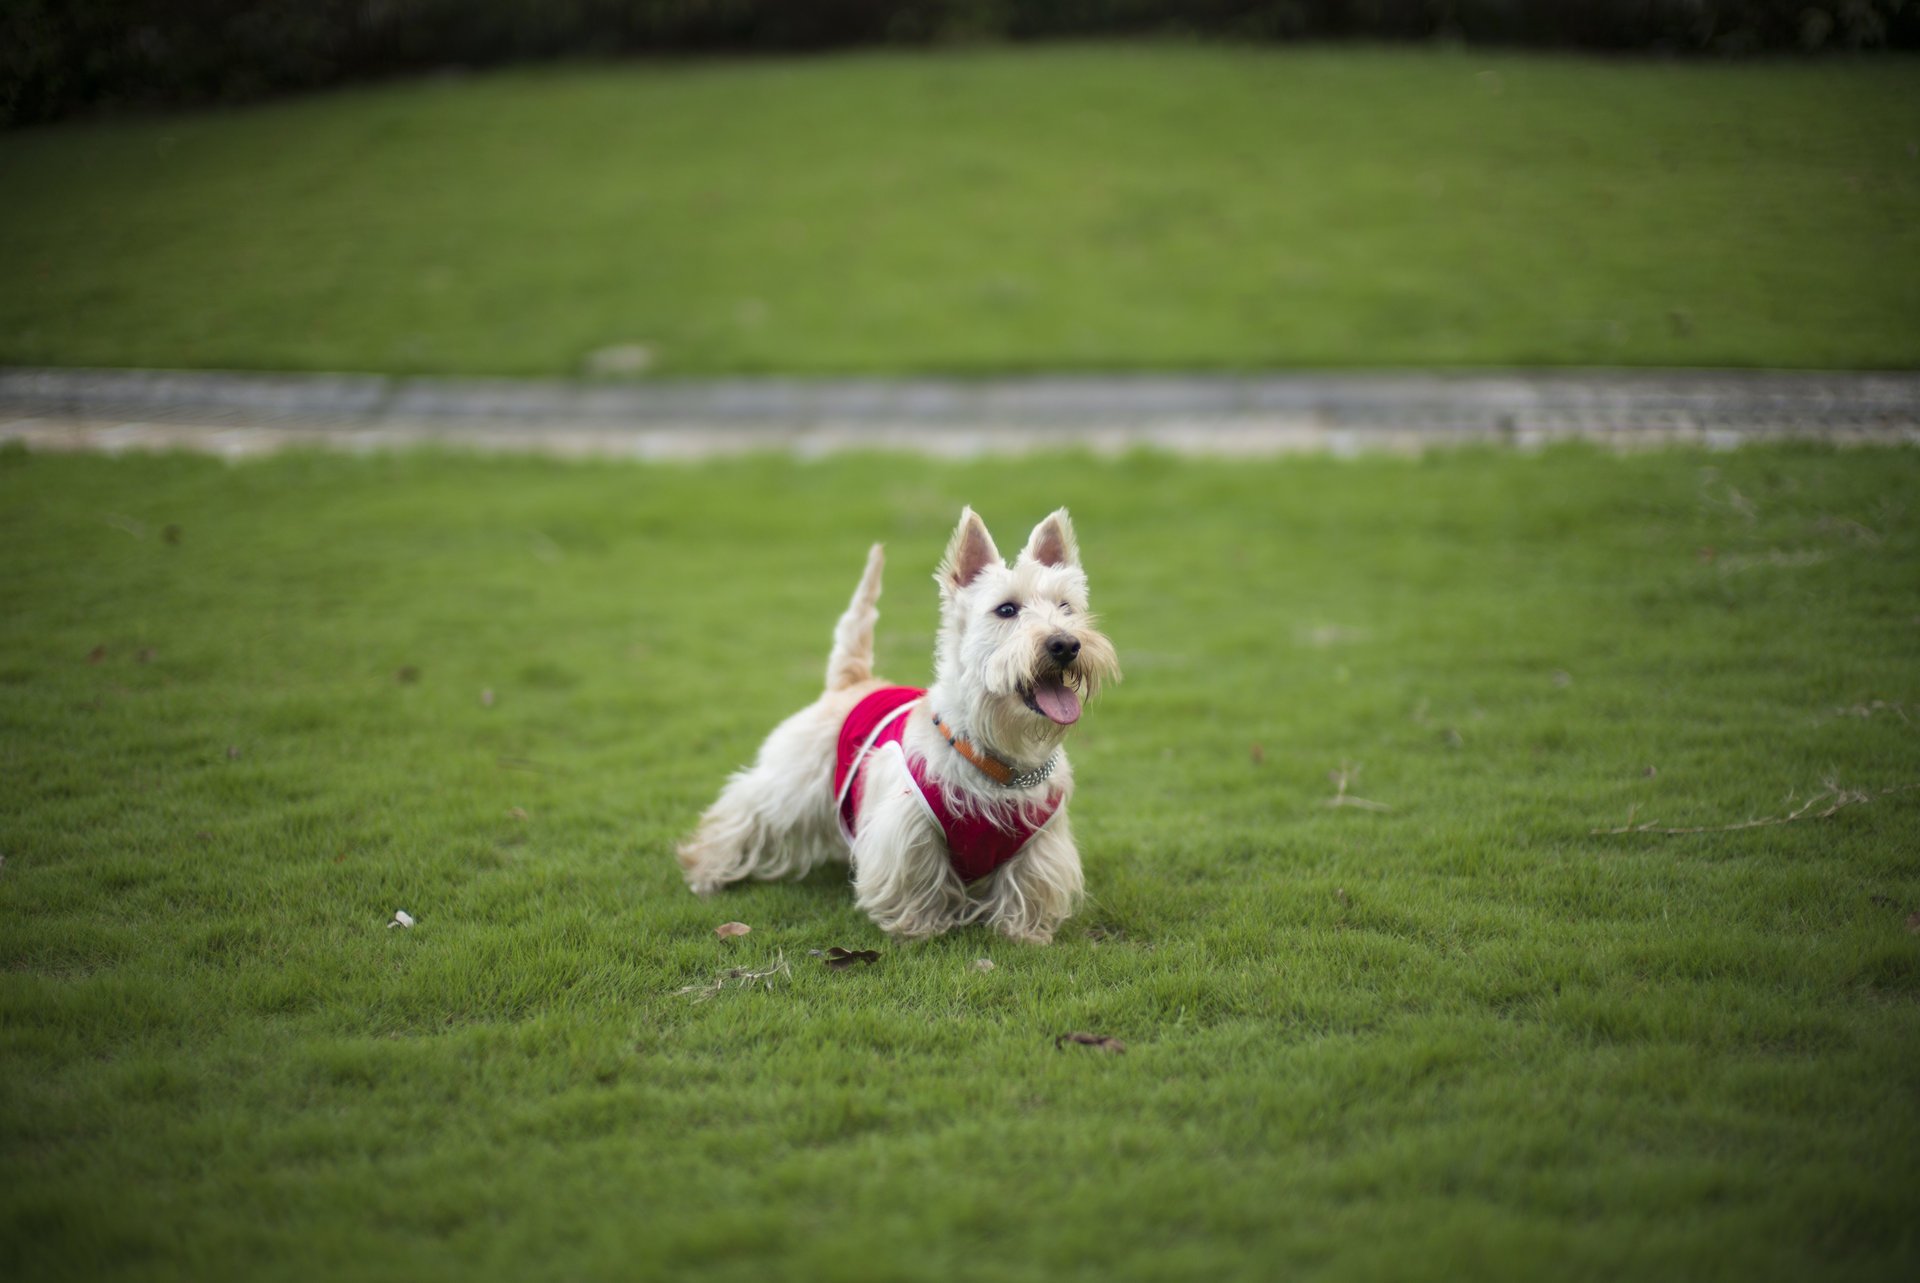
x: 775, y: 818
x: 851, y: 660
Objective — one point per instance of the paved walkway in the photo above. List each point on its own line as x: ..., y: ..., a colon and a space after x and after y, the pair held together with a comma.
x: 1231, y: 415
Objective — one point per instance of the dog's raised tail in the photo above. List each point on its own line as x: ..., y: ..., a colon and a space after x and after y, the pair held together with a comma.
x: 852, y: 659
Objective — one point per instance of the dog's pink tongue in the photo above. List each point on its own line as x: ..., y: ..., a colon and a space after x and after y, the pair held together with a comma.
x: 1057, y: 700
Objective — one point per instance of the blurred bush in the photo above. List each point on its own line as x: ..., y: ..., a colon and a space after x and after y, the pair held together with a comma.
x: 58, y: 57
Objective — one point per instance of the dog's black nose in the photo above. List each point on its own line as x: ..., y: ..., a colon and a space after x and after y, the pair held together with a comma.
x: 1064, y: 648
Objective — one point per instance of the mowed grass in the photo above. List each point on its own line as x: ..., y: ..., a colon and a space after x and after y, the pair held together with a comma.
x: 1064, y: 207
x: 1461, y: 1036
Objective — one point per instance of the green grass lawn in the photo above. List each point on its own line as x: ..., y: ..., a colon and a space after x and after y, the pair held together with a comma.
x: 1086, y: 207
x: 1460, y: 1037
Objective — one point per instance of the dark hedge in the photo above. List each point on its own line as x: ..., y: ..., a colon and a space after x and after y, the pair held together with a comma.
x: 58, y: 57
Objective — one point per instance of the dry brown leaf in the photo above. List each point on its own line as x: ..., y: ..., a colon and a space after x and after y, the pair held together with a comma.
x: 727, y: 930
x: 839, y: 959
x: 97, y: 654
x: 1102, y: 1041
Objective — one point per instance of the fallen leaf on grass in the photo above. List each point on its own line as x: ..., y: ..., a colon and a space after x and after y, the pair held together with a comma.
x: 1102, y: 1041
x: 517, y: 813
x: 727, y: 930
x: 97, y: 654
x: 983, y: 964
x: 839, y: 959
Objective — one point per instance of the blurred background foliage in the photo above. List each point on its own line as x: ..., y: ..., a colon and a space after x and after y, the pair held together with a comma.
x: 65, y: 57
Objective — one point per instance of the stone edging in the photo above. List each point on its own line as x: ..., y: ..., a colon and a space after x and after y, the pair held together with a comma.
x: 237, y: 413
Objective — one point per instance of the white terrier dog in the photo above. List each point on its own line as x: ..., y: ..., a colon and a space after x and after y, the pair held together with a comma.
x: 951, y: 803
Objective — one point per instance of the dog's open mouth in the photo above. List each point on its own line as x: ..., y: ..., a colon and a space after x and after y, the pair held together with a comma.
x: 1052, y: 698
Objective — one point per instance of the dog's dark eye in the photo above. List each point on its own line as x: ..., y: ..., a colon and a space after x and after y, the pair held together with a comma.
x: 1006, y: 610
x: 1064, y: 606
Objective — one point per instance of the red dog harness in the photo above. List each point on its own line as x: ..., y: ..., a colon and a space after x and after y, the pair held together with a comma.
x: 976, y: 845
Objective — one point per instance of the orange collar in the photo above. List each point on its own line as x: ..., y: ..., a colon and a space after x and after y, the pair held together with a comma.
x: 1001, y: 773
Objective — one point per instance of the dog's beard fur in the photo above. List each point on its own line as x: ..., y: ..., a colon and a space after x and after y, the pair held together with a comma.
x: 986, y: 667
x: 776, y: 819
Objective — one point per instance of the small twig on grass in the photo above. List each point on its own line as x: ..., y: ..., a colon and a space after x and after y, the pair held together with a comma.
x: 1840, y: 797
x: 1734, y: 501
x: 1867, y: 710
x: 740, y: 977
x: 1347, y: 773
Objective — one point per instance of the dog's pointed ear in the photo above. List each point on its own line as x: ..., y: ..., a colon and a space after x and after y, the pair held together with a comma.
x: 1052, y: 542
x: 969, y: 552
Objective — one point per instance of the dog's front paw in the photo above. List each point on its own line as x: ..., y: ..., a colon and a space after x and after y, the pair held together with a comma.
x: 696, y: 871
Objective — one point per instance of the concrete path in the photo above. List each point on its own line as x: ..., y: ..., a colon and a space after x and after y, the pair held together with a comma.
x: 1231, y: 415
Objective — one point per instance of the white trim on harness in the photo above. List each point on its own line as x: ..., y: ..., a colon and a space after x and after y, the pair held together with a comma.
x: 919, y: 794
x: 859, y: 760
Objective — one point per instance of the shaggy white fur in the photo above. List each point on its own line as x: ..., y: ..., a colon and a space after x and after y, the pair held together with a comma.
x: 1018, y: 651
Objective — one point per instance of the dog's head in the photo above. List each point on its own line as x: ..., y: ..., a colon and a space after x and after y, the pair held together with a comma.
x: 1018, y: 646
